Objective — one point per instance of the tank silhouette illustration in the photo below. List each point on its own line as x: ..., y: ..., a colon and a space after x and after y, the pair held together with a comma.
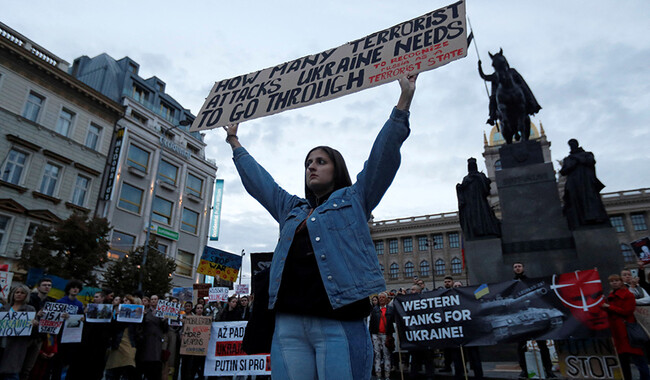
x: 510, y: 318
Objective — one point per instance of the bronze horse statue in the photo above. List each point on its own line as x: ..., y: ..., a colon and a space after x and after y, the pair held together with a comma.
x: 511, y: 101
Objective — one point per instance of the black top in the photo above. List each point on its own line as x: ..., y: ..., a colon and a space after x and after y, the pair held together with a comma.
x: 302, y: 291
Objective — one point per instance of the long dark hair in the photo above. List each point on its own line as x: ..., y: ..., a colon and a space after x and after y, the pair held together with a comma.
x: 341, y: 175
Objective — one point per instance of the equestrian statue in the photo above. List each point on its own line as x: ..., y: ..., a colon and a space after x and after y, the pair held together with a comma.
x: 511, y: 101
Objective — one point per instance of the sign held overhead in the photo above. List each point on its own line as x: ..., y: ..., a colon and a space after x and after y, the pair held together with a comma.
x: 423, y: 43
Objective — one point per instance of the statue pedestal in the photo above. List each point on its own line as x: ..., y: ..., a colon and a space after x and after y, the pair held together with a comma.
x: 534, y: 231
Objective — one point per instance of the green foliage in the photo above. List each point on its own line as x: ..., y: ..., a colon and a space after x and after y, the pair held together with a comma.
x: 72, y: 249
x: 123, y: 276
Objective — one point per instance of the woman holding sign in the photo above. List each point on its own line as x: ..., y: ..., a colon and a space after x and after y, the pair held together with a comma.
x: 325, y: 267
x: 15, y: 347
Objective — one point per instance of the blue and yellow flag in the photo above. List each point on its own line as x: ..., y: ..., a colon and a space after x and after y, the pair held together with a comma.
x: 215, y: 262
x: 481, y: 291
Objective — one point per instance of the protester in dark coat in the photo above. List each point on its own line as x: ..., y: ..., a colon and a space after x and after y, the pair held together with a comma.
x: 15, y: 347
x: 231, y: 312
x: 149, y: 355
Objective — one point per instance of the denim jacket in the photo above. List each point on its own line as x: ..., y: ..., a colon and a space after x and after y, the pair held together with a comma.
x: 338, y: 228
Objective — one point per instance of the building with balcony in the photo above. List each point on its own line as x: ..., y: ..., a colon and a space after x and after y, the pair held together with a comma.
x: 55, y: 135
x: 430, y: 246
x: 158, y: 177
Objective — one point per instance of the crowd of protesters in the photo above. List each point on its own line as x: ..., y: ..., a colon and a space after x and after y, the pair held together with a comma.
x: 148, y: 350
x: 151, y: 349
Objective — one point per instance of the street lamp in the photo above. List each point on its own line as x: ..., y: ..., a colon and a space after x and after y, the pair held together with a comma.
x: 183, y: 123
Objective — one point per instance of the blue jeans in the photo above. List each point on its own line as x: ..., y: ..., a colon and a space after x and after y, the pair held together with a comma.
x: 306, y: 347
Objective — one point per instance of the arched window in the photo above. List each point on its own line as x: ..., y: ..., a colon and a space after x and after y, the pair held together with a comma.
x: 394, y: 271
x: 628, y: 254
x: 409, y: 269
x: 456, y: 266
x: 440, y: 267
x: 381, y: 266
x: 424, y: 268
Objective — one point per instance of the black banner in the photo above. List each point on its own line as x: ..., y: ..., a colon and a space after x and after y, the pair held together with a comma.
x: 561, y: 306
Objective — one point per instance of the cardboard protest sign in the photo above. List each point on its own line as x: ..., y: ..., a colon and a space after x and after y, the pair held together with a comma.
x: 5, y: 283
x: 99, y: 313
x: 423, y: 43
x: 225, y: 356
x: 642, y: 249
x: 52, y: 318
x: 72, y: 329
x: 201, y: 291
x: 553, y: 307
x: 215, y: 262
x: 168, y: 309
x: 588, y: 359
x: 196, y: 335
x: 218, y: 294
x: 16, y: 323
x: 241, y: 288
x: 130, y: 313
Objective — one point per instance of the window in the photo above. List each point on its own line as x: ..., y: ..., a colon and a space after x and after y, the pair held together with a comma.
x: 29, y: 236
x: 139, y: 94
x: 4, y: 227
x: 162, y: 248
x: 497, y: 165
x: 14, y: 166
x: 438, y: 242
x: 424, y: 268
x: 167, y: 172
x: 50, y: 179
x: 92, y: 138
x: 456, y: 266
x: 141, y: 119
x: 409, y: 269
x: 33, y: 106
x: 130, y: 198
x: 629, y: 257
x: 190, y: 221
x: 162, y: 210
x: 138, y: 158
x: 638, y: 221
x: 617, y: 223
x: 121, y: 245
x: 381, y: 267
x: 167, y: 111
x: 184, y: 263
x: 379, y: 247
x: 423, y: 243
x: 80, y: 190
x: 440, y: 267
x: 64, y: 122
x: 194, y: 185
x: 454, y: 240
x: 393, y: 246
x: 408, y: 244
x: 394, y: 271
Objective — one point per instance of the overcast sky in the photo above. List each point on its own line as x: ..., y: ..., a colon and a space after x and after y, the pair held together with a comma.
x: 585, y: 61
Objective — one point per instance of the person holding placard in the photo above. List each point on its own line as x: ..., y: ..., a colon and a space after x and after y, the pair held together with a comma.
x: 325, y: 267
x: 15, y: 347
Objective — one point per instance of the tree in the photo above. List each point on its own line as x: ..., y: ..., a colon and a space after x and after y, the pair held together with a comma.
x: 72, y: 249
x: 123, y: 276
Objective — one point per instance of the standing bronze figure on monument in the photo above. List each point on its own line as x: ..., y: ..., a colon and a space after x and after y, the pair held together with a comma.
x: 511, y: 101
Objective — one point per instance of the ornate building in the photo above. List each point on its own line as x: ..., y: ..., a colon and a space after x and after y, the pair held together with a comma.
x: 430, y: 246
x: 55, y: 135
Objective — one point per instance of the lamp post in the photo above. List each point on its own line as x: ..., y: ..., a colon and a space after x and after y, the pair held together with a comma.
x: 145, y: 251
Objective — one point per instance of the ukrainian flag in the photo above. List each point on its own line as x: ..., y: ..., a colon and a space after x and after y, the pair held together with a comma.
x: 481, y: 291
